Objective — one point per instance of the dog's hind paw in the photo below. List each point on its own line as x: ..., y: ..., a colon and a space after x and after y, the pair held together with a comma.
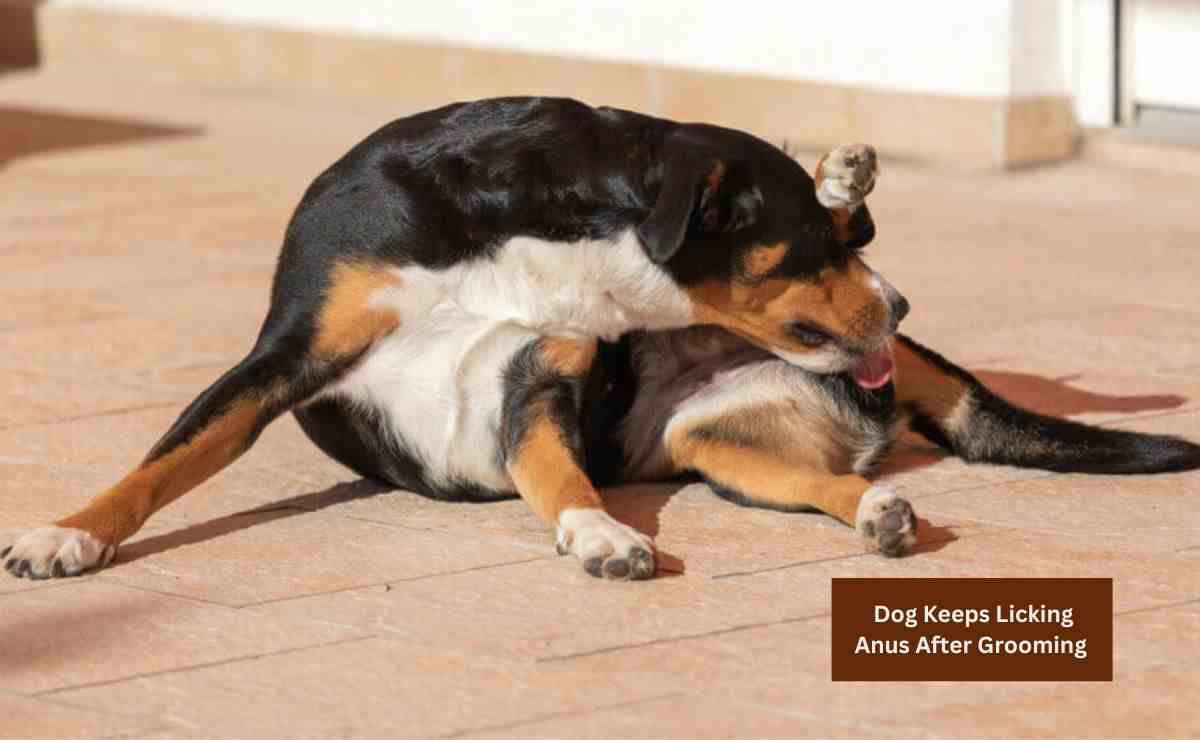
x: 606, y: 547
x: 886, y: 522
x: 55, y: 552
x: 847, y: 175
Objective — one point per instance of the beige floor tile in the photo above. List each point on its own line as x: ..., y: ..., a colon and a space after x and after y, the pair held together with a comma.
x: 678, y: 716
x: 94, y: 632
x: 1141, y: 513
x: 369, y: 688
x: 44, y: 718
x: 1156, y: 637
x: 1123, y: 339
x: 137, y: 350
x: 110, y: 445
x: 509, y: 520
x: 28, y: 399
x: 1149, y: 704
x: 23, y: 311
x: 107, y: 445
x: 287, y: 553
x: 549, y: 609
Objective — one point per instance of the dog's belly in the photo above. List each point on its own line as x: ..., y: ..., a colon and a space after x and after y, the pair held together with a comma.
x: 434, y: 394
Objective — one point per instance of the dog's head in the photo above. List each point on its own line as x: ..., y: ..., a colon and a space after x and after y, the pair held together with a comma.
x: 738, y: 224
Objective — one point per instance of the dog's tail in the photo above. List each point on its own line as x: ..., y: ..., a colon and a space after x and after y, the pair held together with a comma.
x: 952, y: 408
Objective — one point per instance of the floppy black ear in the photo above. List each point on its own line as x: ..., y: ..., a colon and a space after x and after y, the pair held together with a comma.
x: 697, y: 195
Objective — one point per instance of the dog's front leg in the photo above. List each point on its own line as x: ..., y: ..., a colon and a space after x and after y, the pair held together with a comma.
x: 543, y: 453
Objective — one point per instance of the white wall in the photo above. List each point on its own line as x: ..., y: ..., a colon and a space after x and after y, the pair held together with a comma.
x: 954, y: 47
x: 977, y: 48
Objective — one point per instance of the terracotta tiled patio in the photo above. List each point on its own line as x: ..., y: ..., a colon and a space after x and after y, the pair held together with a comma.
x: 138, y: 231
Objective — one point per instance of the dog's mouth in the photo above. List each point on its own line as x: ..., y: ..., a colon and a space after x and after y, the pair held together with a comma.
x: 874, y: 369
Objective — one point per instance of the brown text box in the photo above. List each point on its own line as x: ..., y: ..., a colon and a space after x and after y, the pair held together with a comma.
x: 991, y: 649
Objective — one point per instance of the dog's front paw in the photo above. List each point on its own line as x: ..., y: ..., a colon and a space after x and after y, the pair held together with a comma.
x: 886, y: 522
x: 606, y: 547
x: 847, y: 175
x: 55, y: 552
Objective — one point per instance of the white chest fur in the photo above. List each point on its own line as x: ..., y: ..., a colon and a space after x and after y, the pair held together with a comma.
x: 437, y: 381
x: 588, y: 288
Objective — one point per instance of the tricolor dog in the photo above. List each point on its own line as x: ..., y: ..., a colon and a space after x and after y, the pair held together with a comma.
x: 529, y: 296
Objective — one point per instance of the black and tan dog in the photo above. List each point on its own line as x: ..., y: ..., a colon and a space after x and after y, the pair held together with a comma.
x: 495, y: 298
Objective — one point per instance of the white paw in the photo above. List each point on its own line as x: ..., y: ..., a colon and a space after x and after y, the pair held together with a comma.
x: 886, y: 522
x: 606, y: 547
x: 55, y: 552
x: 847, y: 176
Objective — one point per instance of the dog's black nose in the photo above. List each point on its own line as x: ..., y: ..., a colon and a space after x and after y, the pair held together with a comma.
x: 899, y: 310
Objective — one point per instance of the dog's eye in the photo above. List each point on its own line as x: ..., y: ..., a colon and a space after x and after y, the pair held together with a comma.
x: 808, y: 334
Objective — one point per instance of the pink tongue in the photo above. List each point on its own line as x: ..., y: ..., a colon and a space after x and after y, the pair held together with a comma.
x: 874, y: 370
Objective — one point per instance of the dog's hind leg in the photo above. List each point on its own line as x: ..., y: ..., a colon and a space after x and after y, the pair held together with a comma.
x: 297, y: 353
x: 542, y: 446
x: 751, y: 475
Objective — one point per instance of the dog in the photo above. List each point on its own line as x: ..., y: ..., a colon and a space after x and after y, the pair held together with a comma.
x: 531, y: 296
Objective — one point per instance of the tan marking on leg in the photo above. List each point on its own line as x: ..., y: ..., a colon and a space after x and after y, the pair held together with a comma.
x: 764, y: 477
x: 119, y: 512
x: 543, y: 468
x: 547, y: 475
x: 799, y: 431
x: 933, y: 391
x: 348, y: 323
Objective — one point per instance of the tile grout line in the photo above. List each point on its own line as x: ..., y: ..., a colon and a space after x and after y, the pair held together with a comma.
x: 786, y: 566
x: 990, y: 484
x: 557, y: 715
x: 85, y: 417
x: 680, y: 638
x: 409, y: 579
x: 1145, y: 609
x: 916, y: 549
x: 55, y: 584
x: 197, y: 666
x: 104, y: 577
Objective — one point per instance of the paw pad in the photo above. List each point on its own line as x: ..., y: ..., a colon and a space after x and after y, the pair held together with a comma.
x: 886, y: 522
